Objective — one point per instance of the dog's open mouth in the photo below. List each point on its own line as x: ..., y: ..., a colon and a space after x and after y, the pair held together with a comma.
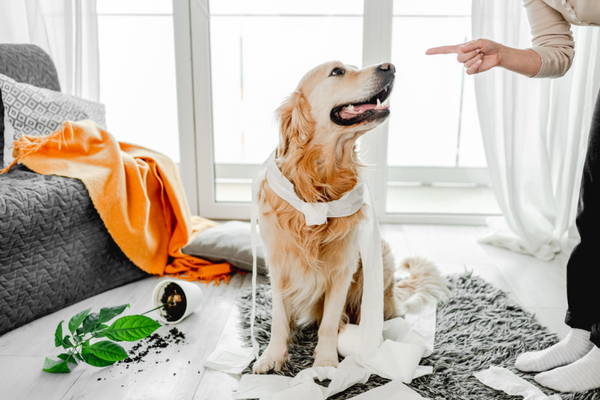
x: 370, y: 110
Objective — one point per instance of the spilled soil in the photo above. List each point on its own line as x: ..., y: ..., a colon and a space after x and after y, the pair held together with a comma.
x: 176, y: 302
x: 153, y: 344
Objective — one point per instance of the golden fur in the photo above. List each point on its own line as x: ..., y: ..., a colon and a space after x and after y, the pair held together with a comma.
x: 315, y: 271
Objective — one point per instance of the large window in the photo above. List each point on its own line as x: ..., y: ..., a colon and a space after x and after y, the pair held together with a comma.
x: 248, y: 56
x: 259, y: 51
x: 435, y: 157
x: 137, y: 72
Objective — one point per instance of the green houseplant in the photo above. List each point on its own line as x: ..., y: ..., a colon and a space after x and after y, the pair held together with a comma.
x: 86, y: 326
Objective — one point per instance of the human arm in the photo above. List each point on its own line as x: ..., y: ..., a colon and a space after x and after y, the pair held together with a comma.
x: 481, y: 55
x: 551, y: 37
x: 550, y: 57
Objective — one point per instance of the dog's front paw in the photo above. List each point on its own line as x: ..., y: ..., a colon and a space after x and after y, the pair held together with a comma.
x: 270, y: 360
x: 326, y: 358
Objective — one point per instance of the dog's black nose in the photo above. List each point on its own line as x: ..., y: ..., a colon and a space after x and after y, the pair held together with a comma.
x: 387, y: 68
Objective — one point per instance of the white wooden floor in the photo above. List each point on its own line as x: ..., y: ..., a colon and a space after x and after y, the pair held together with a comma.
x: 538, y: 286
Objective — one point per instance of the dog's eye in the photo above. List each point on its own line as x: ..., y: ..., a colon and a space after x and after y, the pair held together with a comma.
x: 337, y: 71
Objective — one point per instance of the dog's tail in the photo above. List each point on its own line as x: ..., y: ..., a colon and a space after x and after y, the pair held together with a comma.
x: 425, y: 285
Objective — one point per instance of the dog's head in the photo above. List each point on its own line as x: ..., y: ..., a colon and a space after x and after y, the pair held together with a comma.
x: 334, y: 103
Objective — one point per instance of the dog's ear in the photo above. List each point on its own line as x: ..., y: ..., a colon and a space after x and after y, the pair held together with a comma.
x: 296, y: 122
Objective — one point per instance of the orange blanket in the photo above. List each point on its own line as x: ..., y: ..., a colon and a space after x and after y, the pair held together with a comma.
x: 137, y: 192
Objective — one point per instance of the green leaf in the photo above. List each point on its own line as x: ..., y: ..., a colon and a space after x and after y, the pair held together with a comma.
x: 57, y: 367
x: 85, y: 348
x: 108, y: 351
x: 95, y: 361
x: 78, y: 319
x: 78, y: 356
x: 69, y: 357
x: 89, y: 323
x: 58, y: 338
x: 131, y: 328
x: 67, y: 343
x: 108, y: 313
x: 79, y: 331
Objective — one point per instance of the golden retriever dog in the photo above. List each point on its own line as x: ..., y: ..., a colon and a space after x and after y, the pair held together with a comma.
x: 315, y: 271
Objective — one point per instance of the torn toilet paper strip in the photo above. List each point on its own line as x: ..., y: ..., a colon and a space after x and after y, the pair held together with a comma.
x: 502, y: 379
x: 256, y: 387
x: 395, y: 390
x: 423, y: 370
x: 395, y: 360
x: 347, y: 342
x: 303, y: 385
x: 398, y: 330
x: 230, y: 359
x: 348, y: 373
x: 423, y: 324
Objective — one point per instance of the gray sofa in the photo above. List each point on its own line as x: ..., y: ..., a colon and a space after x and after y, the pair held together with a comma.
x: 54, y: 248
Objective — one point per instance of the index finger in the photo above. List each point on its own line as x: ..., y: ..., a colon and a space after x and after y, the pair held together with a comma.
x: 444, y: 50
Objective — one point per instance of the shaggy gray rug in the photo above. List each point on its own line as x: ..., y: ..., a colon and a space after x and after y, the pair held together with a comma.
x: 477, y: 326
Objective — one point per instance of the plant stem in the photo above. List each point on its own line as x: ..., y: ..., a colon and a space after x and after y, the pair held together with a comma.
x: 164, y: 305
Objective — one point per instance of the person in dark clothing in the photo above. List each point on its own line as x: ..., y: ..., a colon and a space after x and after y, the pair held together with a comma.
x: 573, y: 364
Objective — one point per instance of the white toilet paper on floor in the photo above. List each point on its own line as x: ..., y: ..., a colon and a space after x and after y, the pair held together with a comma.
x: 308, y: 390
x: 273, y: 387
x: 398, y: 359
x: 348, y: 373
x: 502, y: 379
x: 395, y: 360
x: 398, y: 330
x: 230, y: 359
x: 395, y: 390
x: 348, y: 340
x: 423, y: 370
x: 310, y: 374
x: 261, y: 386
x: 303, y: 386
x: 423, y: 324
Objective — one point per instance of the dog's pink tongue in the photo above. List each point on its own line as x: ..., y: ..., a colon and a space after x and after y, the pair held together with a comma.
x: 348, y: 113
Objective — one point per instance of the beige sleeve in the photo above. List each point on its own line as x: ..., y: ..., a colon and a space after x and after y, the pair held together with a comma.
x: 552, y: 38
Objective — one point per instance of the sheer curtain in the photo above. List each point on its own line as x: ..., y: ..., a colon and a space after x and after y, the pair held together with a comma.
x: 534, y: 133
x: 67, y: 30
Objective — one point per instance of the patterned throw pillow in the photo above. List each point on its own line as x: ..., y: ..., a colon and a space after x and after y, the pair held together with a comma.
x: 37, y: 111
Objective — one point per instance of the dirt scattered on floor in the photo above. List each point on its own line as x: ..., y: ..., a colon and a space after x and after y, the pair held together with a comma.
x: 152, y: 344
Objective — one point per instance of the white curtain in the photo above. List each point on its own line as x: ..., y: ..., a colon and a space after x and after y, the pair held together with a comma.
x: 67, y: 30
x: 534, y: 133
